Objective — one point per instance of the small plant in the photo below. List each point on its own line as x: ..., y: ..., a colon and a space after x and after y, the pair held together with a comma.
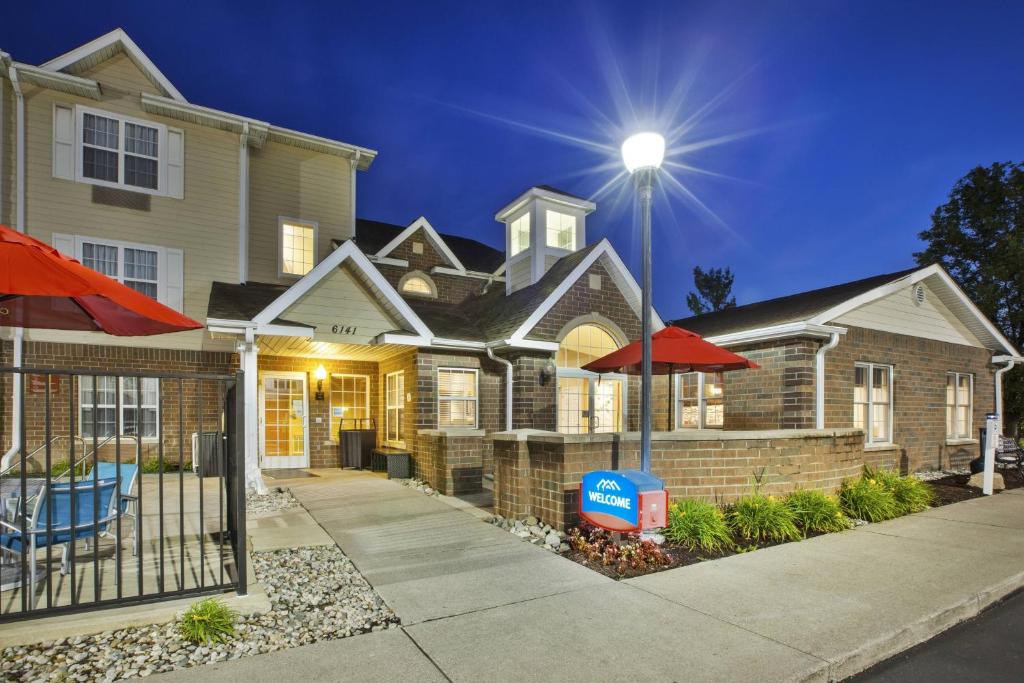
x: 633, y: 554
x: 815, y: 512
x: 207, y: 621
x: 698, y: 526
x: 867, y: 498
x: 758, y: 517
x: 910, y: 494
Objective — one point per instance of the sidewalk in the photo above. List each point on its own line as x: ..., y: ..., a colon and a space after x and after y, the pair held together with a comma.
x: 477, y: 603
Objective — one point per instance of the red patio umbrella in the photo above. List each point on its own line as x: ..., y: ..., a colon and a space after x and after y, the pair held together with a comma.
x: 673, y: 349
x: 42, y: 288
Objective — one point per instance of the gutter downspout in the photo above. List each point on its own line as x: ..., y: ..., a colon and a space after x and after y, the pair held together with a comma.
x: 508, y: 387
x: 19, y: 225
x: 247, y: 357
x: 243, y: 204
x: 819, y: 380
x: 1010, y: 361
x: 355, y: 170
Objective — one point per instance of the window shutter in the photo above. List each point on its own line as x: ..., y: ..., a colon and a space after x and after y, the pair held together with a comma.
x: 65, y: 244
x: 63, y: 142
x: 175, y: 280
x: 176, y: 163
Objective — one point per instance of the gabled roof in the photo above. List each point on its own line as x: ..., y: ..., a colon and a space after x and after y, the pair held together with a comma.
x: 103, y: 48
x: 821, y: 307
x: 373, y: 236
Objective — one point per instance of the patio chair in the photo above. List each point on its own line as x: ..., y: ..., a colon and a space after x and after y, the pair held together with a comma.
x: 90, y: 497
x: 129, y: 498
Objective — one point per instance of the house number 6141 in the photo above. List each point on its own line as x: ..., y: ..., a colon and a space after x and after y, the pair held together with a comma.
x: 343, y: 329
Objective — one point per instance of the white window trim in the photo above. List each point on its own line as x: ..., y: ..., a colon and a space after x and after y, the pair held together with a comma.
x: 512, y: 251
x: 302, y: 222
x: 593, y: 377
x: 388, y: 407
x: 677, y: 393
x: 475, y: 399
x: 868, y: 439
x: 330, y: 400
x: 969, y: 436
x: 161, y: 259
x: 418, y: 274
x: 161, y: 173
x: 86, y: 382
x: 547, y: 231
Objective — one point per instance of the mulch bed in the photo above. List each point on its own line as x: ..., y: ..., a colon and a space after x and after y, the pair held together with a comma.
x: 954, y: 488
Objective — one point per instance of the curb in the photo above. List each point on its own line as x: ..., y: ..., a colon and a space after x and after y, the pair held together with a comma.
x: 868, y: 654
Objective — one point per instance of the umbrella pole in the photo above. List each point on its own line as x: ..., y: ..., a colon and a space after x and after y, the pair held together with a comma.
x: 671, y: 403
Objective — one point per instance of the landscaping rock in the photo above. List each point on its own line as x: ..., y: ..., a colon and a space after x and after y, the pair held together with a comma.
x: 553, y: 539
x: 274, y: 500
x: 978, y: 480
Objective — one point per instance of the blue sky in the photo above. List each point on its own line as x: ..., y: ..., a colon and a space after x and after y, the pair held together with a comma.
x: 847, y: 123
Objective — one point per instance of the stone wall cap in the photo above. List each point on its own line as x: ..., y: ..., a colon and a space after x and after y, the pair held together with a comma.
x: 451, y: 431
x: 681, y: 435
x: 516, y: 434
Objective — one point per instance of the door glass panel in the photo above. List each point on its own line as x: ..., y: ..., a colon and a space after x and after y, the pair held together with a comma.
x: 284, y: 419
x: 573, y: 405
x: 608, y: 405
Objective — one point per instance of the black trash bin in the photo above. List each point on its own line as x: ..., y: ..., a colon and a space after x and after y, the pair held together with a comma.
x: 209, y: 454
x: 356, y: 440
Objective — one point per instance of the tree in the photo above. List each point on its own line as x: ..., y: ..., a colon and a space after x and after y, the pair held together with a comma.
x: 978, y: 237
x: 714, y: 290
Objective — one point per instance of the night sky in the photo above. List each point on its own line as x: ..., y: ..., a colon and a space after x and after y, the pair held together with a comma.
x: 841, y: 125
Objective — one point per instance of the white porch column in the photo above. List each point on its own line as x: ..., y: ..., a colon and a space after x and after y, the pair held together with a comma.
x: 247, y: 359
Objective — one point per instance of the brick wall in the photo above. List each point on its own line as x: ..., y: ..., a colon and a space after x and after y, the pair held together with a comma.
x: 196, y: 407
x: 450, y: 288
x: 919, y: 392
x: 540, y: 474
x: 404, y: 362
x: 450, y: 459
x: 778, y: 395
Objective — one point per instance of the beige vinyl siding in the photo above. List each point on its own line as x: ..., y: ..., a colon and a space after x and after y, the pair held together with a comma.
x: 897, y: 313
x: 519, y: 273
x: 120, y: 73
x: 204, y: 224
x: 301, y: 185
x: 340, y: 299
x: 7, y: 154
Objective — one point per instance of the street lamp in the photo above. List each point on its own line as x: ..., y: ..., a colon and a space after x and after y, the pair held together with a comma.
x: 642, y: 154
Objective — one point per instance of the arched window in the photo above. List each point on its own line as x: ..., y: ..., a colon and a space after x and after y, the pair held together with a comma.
x: 587, y: 402
x: 417, y: 283
x: 583, y: 344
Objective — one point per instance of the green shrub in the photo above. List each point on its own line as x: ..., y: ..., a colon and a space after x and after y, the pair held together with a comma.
x: 763, y: 518
x: 910, y: 494
x: 867, y: 498
x: 207, y: 621
x: 698, y: 526
x: 152, y: 466
x: 814, y: 511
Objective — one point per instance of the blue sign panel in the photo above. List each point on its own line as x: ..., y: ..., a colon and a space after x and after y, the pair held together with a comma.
x: 610, y: 500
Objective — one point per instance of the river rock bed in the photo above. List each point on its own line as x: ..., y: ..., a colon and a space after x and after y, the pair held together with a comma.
x: 421, y: 486
x: 532, y: 531
x: 274, y: 500
x: 315, y: 594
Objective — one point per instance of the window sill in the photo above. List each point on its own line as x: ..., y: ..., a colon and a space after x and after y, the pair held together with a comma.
x: 960, y: 442
x: 868, y: 447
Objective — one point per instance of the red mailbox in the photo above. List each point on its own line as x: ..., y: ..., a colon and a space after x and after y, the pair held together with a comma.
x: 654, y: 509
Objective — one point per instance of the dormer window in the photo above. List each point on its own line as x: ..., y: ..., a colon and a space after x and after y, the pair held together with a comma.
x: 561, y: 230
x: 417, y: 283
x: 519, y: 234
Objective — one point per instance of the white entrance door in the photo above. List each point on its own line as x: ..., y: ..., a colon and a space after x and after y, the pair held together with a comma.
x: 284, y: 439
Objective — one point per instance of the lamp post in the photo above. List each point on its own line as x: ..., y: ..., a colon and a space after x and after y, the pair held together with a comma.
x: 642, y: 154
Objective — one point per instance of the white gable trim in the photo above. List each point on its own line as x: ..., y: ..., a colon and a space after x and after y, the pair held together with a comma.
x: 438, y: 243
x: 633, y: 294
x: 117, y: 37
x: 910, y: 280
x: 348, y: 250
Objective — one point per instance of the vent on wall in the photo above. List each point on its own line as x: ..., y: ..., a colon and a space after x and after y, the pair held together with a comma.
x: 123, y: 198
x: 920, y: 294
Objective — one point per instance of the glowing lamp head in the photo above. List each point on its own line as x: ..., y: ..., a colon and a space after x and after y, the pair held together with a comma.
x: 320, y: 374
x: 643, y: 150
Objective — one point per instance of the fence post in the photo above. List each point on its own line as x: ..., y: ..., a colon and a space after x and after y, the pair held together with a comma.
x: 241, y: 540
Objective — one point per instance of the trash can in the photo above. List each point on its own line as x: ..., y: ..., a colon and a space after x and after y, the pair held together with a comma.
x: 208, y: 454
x: 356, y: 440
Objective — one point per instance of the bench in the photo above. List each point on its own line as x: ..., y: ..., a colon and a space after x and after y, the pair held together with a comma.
x: 395, y: 461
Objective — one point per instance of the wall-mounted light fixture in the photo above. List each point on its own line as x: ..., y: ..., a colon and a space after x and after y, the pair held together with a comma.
x: 320, y: 374
x: 547, y: 372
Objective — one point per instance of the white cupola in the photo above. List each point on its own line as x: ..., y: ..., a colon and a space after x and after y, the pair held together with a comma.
x: 541, y: 226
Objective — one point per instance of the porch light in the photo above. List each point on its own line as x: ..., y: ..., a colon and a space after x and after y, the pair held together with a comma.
x: 320, y: 374
x: 643, y: 150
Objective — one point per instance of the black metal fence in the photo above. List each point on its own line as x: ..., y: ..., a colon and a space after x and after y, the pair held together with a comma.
x: 119, y: 487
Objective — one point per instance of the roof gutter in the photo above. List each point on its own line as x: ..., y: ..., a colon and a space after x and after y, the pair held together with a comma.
x: 819, y: 379
x: 775, y: 332
x: 1009, y: 362
x: 18, y: 342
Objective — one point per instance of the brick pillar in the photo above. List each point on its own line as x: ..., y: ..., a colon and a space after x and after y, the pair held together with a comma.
x: 533, y: 402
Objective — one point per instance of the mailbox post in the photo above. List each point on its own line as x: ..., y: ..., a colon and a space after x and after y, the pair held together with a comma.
x: 991, y: 438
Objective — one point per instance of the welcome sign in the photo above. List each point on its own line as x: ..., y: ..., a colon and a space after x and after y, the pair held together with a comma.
x: 610, y: 500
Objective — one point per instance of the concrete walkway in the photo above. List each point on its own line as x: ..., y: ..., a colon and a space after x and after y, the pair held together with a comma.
x: 477, y: 603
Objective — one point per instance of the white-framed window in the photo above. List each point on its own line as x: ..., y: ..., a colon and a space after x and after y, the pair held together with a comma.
x: 872, y: 402
x: 417, y: 285
x: 298, y: 246
x: 587, y: 402
x: 394, y: 401
x: 519, y: 234
x: 700, y: 402
x: 118, y: 151
x: 561, y: 230
x: 457, y: 397
x: 97, y: 410
x: 155, y: 271
x: 349, y: 402
x: 959, y: 405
